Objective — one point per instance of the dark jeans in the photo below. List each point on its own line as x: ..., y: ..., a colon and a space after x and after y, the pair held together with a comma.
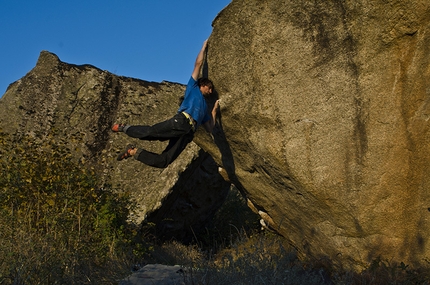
x: 177, y: 130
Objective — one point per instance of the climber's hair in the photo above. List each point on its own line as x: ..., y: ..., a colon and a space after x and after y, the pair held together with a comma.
x: 205, y: 82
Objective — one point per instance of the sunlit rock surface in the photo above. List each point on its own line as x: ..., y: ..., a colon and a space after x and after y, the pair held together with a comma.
x: 325, y: 109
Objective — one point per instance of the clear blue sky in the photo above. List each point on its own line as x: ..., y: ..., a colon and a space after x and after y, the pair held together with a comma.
x: 153, y: 40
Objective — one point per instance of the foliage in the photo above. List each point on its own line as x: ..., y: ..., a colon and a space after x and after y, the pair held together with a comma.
x: 57, y: 224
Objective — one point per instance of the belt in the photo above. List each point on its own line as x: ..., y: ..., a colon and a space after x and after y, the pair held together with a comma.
x: 190, y: 120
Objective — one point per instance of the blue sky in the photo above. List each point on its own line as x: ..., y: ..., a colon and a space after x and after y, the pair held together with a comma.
x: 153, y: 40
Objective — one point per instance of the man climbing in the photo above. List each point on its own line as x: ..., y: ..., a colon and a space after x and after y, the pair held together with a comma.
x: 179, y: 130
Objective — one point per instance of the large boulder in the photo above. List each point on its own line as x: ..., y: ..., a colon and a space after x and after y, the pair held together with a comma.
x: 78, y: 105
x: 325, y: 109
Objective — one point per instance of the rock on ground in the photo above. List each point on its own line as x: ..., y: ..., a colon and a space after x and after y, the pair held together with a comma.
x: 158, y: 274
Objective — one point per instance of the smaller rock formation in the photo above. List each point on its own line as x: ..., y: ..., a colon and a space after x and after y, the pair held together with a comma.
x: 79, y: 103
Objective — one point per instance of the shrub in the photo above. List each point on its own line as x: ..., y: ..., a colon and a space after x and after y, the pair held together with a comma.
x: 58, y: 225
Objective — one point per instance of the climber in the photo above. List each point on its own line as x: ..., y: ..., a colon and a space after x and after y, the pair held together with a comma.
x: 179, y: 130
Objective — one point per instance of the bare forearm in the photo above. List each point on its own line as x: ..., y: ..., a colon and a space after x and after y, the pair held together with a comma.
x: 201, y: 55
x: 211, y: 123
x: 214, y: 112
x: 199, y: 60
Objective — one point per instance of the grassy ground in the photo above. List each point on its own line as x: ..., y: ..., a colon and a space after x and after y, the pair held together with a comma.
x: 235, y: 251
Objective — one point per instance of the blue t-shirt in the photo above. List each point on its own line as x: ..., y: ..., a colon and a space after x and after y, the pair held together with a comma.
x: 194, y: 103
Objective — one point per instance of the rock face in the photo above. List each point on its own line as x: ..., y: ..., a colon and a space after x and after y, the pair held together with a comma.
x: 80, y: 103
x: 325, y: 109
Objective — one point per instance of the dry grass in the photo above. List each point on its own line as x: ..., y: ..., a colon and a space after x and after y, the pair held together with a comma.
x: 230, y: 254
x: 28, y: 257
x: 263, y: 259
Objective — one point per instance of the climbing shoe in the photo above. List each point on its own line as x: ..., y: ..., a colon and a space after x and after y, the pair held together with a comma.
x: 118, y: 128
x: 126, y: 153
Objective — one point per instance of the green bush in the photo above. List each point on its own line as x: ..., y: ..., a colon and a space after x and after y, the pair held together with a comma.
x: 58, y: 225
